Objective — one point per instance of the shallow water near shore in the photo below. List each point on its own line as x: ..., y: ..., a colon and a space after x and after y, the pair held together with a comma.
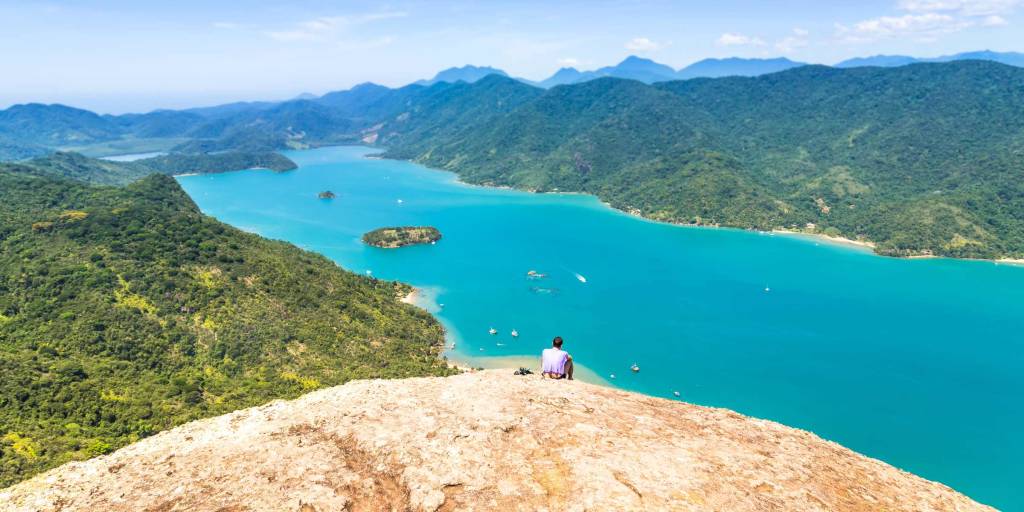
x: 916, y: 362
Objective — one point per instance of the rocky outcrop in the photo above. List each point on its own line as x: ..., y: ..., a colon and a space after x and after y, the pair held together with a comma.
x: 481, y: 441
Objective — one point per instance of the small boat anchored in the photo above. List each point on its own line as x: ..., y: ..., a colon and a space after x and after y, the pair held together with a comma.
x: 635, y: 368
x: 515, y: 333
x: 493, y: 331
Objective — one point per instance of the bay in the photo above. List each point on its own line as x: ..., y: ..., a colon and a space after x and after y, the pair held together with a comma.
x: 916, y: 362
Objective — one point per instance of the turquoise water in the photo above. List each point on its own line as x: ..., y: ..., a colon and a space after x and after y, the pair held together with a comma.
x: 916, y: 362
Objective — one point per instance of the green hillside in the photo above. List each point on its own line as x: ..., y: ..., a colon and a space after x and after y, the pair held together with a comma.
x: 922, y: 159
x: 125, y: 311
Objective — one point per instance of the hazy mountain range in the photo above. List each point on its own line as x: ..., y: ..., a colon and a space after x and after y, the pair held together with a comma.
x: 1008, y: 58
x: 631, y: 68
x: 649, y: 71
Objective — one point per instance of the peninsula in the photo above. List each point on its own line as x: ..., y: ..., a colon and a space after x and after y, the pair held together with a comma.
x: 394, y: 237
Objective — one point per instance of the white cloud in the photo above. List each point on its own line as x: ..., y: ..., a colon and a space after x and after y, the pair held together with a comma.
x: 790, y: 43
x: 734, y: 39
x: 568, y: 62
x: 926, y: 20
x: 963, y: 7
x: 923, y: 27
x: 325, y: 27
x: 643, y: 44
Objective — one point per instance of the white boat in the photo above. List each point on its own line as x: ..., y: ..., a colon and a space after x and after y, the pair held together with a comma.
x: 400, y: 201
x: 676, y: 393
x: 515, y: 333
x: 581, y: 278
x: 613, y: 375
x: 493, y: 331
x: 635, y: 368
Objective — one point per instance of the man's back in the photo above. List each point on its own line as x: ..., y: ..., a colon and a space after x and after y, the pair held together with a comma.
x: 553, y: 360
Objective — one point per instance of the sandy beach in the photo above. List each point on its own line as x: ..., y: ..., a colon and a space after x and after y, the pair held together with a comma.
x: 510, y: 363
x: 826, y: 238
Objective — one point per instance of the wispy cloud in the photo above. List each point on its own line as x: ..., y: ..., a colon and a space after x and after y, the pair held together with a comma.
x: 790, y: 43
x: 225, y: 25
x: 962, y: 7
x: 994, y: 21
x: 921, y: 27
x: 734, y: 39
x: 927, y: 20
x: 643, y: 44
x: 326, y: 27
x: 568, y: 62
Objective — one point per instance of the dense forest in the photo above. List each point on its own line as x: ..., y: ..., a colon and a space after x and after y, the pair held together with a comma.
x: 920, y: 159
x: 124, y: 311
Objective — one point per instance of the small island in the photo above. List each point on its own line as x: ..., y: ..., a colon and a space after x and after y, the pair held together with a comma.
x: 391, y: 238
x: 326, y: 194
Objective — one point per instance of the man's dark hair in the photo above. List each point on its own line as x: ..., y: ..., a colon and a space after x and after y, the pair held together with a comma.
x: 557, y: 342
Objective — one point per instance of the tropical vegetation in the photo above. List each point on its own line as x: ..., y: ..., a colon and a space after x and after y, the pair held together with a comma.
x: 125, y: 311
x: 390, y: 238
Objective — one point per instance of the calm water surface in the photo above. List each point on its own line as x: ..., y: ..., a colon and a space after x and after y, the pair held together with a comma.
x: 916, y: 362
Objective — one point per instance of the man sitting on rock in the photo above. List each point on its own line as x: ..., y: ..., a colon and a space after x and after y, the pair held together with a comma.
x: 556, y: 363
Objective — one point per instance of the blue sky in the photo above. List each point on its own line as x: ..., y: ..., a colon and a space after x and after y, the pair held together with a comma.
x: 117, y: 56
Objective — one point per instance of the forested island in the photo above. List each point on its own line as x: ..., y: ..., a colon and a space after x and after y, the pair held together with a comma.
x: 125, y: 311
x: 394, y: 237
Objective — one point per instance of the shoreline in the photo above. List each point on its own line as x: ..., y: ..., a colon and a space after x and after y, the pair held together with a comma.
x: 838, y: 240
x: 514, y: 362
x: 469, y: 363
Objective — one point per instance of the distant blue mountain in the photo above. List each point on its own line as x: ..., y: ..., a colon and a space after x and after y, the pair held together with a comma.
x: 631, y: 68
x: 885, y: 61
x: 361, y: 94
x: 468, y: 74
x: 640, y: 69
x: 1008, y: 58
x: 649, y: 71
x: 735, y: 66
x: 562, y: 77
